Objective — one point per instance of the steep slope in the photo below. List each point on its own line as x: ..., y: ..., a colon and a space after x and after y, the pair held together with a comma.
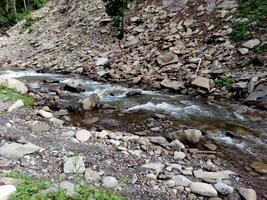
x: 167, y: 44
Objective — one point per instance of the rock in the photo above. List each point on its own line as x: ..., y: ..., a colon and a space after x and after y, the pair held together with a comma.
x: 74, y: 164
x: 13, y: 84
x: 258, y: 97
x: 6, y: 191
x: 210, y: 146
x: 181, y: 180
x: 40, y: 127
x: 159, y: 140
x: 251, y: 43
x: 167, y: 58
x: 83, y: 135
x: 223, y: 188
x: 57, y: 121
x: 203, y: 189
x: 73, y: 86
x: 176, y: 145
x: 91, y: 102
x: 213, y: 175
x: 154, y: 166
x: 179, y: 155
x: 16, y: 150
x: 91, y: 175
x: 192, y: 136
x: 133, y: 93
x: 240, y: 85
x: 243, y: 51
x: 64, y: 185
x: 203, y: 83
x: 175, y: 85
x: 247, y: 194
x: 259, y: 167
x: 109, y: 182
x: 45, y: 114
x: 16, y: 105
x: 102, y: 61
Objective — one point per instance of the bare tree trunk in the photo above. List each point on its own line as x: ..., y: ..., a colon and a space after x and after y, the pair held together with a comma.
x: 25, y: 4
x: 15, y: 9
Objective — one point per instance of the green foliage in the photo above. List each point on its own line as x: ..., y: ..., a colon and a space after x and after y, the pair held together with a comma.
x: 224, y: 81
x: 8, y: 16
x: 11, y: 95
x: 29, y: 189
x: 116, y: 9
x: 27, y: 25
x: 255, y: 13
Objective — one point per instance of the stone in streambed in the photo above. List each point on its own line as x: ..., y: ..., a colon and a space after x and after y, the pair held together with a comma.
x: 6, y: 191
x: 203, y: 189
x: 223, y: 188
x: 251, y: 43
x: 91, y: 102
x: 247, y: 194
x: 16, y: 105
x: 45, y: 114
x: 83, y: 135
x: 181, y: 180
x: 203, y: 83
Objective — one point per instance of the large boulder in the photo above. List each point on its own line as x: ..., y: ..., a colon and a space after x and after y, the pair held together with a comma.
x: 13, y: 84
x: 91, y: 102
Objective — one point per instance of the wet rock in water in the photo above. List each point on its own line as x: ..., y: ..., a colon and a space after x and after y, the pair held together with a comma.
x: 213, y: 175
x: 74, y: 164
x: 73, y: 86
x: 83, y: 135
x: 16, y: 150
x: 223, y: 188
x: 247, y: 194
x: 175, y: 85
x: 167, y: 58
x: 181, y: 180
x: 13, y: 84
x: 133, y: 93
x: 109, y: 182
x: 203, y: 189
x: 16, y: 105
x: 251, y: 43
x: 6, y: 191
x: 91, y: 102
x: 91, y: 121
x: 203, y: 83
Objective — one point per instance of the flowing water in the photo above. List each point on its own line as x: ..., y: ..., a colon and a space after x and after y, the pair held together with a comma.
x: 242, y: 132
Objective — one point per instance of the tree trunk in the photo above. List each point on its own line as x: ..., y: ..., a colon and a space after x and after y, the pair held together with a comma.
x: 25, y: 4
x: 15, y: 9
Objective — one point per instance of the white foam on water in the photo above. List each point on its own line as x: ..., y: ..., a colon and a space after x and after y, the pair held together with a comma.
x: 20, y: 74
x: 169, y: 108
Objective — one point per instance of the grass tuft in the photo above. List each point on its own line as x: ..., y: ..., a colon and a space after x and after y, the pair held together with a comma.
x: 29, y: 189
x: 11, y: 95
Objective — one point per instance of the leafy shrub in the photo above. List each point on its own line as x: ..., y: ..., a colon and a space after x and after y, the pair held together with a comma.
x: 224, y: 81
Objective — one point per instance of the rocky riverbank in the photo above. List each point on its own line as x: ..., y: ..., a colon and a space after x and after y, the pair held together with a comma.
x: 137, y: 164
x: 182, y: 46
